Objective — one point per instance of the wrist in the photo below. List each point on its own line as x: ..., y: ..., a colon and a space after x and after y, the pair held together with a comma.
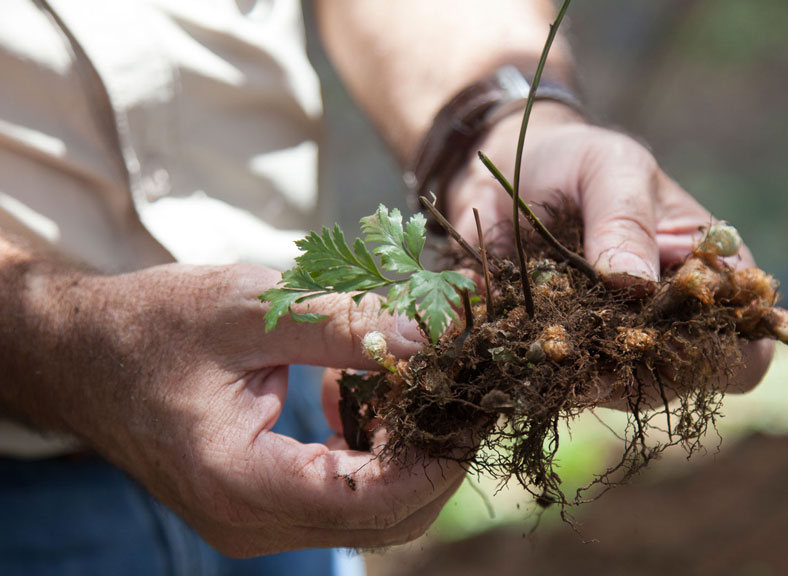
x: 473, y: 186
x: 35, y: 337
x: 69, y: 362
x: 471, y: 114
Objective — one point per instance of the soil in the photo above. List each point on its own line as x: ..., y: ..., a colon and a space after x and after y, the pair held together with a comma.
x: 523, y: 363
x: 725, y: 514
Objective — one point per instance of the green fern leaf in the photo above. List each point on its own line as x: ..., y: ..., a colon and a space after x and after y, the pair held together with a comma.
x: 385, y: 229
x: 328, y: 265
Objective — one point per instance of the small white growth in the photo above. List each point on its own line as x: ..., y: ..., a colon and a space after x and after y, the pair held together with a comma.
x: 722, y: 239
x: 375, y: 345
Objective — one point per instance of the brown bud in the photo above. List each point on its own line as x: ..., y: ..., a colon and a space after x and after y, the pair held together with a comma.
x: 697, y: 279
x: 555, y: 343
x: 637, y: 339
x: 752, y: 284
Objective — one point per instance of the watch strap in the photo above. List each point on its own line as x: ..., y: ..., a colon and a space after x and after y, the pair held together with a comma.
x: 463, y: 120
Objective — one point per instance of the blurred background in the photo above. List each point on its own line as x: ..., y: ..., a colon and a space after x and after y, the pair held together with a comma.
x: 705, y: 84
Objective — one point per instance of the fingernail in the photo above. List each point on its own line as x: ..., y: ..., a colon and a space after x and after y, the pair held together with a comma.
x: 409, y: 329
x: 630, y: 264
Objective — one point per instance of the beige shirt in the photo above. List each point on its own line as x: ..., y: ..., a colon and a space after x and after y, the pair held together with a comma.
x: 137, y: 132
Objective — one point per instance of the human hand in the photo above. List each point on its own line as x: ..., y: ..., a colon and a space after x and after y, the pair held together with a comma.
x: 186, y: 385
x: 637, y: 220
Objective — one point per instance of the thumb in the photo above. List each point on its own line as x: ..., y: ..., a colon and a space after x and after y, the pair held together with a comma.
x: 618, y: 185
x: 336, y: 341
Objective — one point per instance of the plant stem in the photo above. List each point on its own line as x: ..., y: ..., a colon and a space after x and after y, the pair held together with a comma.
x: 460, y: 341
x: 466, y: 304
x: 521, y: 141
x: 483, y: 250
x: 422, y: 325
x: 573, y: 258
x: 530, y: 101
x: 440, y: 219
x: 525, y: 280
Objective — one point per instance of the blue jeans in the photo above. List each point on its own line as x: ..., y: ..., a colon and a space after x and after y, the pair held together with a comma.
x: 82, y: 516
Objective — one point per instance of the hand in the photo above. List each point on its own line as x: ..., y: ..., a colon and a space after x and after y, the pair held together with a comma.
x: 186, y: 385
x: 636, y: 219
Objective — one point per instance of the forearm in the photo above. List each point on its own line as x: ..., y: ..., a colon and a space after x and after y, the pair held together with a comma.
x: 66, y: 364
x: 403, y: 60
x: 40, y: 361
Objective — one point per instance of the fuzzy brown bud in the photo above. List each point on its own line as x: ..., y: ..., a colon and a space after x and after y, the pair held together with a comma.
x: 637, y: 339
x: 697, y: 279
x: 752, y: 284
x: 555, y: 343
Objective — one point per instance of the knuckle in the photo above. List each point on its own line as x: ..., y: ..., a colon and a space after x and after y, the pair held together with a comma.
x: 623, y: 148
x: 337, y: 329
x: 349, y: 322
x: 361, y: 316
x: 613, y: 149
x: 629, y: 225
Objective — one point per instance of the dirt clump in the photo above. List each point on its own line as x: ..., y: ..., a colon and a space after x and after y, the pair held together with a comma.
x: 492, y: 393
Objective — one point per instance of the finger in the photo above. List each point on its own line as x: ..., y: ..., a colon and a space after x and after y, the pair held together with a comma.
x: 385, y: 493
x: 257, y: 399
x: 246, y: 541
x: 481, y: 191
x: 680, y: 229
x: 346, y: 490
x: 681, y: 224
x: 336, y: 341
x: 410, y: 528
x: 330, y: 398
x: 337, y: 443
x: 756, y: 357
x: 617, y: 187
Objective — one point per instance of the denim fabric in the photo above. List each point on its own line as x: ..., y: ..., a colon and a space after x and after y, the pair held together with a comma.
x: 82, y: 516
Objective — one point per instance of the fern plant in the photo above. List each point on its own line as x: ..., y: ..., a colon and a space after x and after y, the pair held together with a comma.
x: 328, y: 264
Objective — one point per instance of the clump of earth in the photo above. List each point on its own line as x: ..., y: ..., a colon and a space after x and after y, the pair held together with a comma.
x: 494, y: 389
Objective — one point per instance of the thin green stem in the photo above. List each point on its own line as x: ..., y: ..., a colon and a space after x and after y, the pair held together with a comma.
x: 573, y: 258
x: 521, y: 141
